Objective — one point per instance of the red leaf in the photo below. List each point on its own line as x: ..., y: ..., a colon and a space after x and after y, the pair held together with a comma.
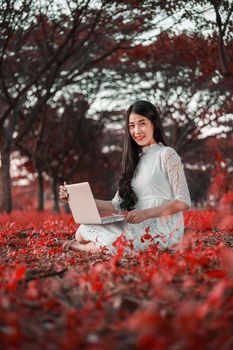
x: 17, y: 275
x: 215, y: 273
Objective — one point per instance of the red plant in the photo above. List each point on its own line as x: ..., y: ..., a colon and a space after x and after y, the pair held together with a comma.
x: 177, y: 298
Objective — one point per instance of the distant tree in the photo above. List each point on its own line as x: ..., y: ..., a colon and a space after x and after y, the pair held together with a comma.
x: 60, y: 141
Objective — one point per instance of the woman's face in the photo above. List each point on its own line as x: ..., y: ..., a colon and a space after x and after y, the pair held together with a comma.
x: 141, y: 130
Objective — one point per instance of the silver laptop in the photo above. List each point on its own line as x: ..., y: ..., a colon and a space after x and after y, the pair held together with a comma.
x: 83, y: 207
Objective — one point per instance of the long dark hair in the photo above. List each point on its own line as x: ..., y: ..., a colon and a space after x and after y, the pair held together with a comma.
x: 132, y: 150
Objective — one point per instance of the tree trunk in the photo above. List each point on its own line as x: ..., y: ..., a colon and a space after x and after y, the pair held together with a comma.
x: 1, y: 193
x: 6, y: 202
x: 38, y: 164
x: 55, y: 194
x: 40, y: 191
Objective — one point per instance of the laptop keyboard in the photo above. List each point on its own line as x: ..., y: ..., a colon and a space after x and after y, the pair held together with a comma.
x: 113, y: 218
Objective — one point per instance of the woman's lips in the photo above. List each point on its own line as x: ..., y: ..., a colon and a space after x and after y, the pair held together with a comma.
x: 139, y: 138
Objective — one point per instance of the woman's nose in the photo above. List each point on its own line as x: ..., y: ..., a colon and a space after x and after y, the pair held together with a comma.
x: 137, y: 129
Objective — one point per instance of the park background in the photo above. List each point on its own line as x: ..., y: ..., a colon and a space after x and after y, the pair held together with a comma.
x: 68, y: 71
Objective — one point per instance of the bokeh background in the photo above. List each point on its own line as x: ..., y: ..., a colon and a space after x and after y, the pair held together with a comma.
x: 69, y: 70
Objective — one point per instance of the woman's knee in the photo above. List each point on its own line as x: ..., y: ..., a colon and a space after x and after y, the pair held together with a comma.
x: 79, y: 237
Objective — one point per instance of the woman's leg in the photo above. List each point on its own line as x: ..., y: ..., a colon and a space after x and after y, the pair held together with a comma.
x: 84, y: 247
x: 88, y: 247
x: 79, y: 238
x: 80, y: 243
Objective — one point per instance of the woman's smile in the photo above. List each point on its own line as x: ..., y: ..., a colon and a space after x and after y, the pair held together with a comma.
x: 139, y: 138
x: 141, y: 130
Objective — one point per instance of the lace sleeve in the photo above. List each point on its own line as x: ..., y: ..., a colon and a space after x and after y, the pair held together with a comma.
x: 116, y: 201
x: 176, y: 176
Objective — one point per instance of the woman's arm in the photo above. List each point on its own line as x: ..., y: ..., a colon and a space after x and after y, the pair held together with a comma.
x: 174, y: 170
x: 105, y: 206
x: 166, y: 209
x: 176, y: 177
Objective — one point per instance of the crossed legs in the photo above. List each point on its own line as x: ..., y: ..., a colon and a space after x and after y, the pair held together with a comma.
x: 79, y: 243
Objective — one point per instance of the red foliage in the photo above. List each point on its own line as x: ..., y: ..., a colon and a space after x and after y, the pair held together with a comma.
x: 178, y: 298
x: 181, y: 50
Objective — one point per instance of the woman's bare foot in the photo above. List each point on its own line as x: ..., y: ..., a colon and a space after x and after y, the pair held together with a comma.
x: 65, y: 243
x: 70, y: 244
x: 88, y: 247
x: 73, y: 244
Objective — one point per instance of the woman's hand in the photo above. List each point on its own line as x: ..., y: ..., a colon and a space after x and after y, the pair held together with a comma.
x: 63, y: 194
x: 136, y: 216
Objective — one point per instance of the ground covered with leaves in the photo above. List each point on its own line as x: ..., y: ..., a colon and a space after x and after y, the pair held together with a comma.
x: 175, y: 299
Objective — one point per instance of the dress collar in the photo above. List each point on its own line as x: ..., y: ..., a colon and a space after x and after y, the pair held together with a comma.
x: 152, y: 147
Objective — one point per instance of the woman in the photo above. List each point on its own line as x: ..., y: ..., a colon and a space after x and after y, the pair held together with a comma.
x: 152, y: 191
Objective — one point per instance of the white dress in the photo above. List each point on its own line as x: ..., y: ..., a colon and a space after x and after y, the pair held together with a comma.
x: 159, y: 178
